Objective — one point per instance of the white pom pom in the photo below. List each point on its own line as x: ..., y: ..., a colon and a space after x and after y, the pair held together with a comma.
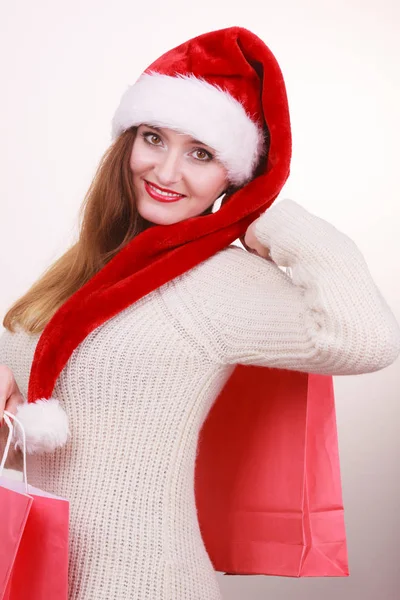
x: 46, y: 426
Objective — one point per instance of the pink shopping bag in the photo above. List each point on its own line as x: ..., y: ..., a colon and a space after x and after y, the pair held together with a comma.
x: 268, y: 486
x: 34, y: 529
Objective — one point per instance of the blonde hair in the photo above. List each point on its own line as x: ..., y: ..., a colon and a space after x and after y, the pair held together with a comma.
x: 109, y: 221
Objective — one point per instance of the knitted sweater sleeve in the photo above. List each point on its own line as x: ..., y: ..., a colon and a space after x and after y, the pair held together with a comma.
x: 328, y: 317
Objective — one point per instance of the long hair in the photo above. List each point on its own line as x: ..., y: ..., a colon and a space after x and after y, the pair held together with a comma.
x: 109, y: 220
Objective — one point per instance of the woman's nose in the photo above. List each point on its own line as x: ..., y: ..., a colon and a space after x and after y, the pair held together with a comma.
x: 169, y: 168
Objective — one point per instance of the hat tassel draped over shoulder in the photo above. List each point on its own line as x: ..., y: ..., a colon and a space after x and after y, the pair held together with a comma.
x: 45, y: 424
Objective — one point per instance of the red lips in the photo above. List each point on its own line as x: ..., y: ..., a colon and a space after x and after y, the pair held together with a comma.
x: 160, y: 197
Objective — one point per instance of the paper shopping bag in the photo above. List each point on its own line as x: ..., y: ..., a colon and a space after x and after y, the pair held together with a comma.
x: 40, y: 563
x: 14, y: 511
x: 267, y: 479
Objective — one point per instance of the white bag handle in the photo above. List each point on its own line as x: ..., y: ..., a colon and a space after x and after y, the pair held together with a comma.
x: 7, y: 448
x: 7, y: 417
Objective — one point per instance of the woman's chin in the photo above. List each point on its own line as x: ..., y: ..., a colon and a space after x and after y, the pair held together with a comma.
x: 155, y: 218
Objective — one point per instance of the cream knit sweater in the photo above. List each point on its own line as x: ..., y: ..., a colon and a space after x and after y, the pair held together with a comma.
x: 137, y: 391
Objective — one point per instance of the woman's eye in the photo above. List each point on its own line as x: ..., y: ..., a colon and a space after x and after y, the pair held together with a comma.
x: 148, y: 134
x: 206, y: 155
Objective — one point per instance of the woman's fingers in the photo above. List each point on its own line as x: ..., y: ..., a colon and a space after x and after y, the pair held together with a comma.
x: 10, y: 395
x: 13, y: 402
x: 252, y: 244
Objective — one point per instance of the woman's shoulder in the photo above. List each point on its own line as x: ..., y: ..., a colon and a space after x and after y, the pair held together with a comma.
x: 16, y: 351
x: 17, y: 342
x: 227, y: 277
x: 19, y: 335
x: 233, y: 266
x: 220, y: 293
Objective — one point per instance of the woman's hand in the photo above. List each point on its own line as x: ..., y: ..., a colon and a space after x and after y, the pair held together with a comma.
x: 10, y: 396
x: 252, y: 244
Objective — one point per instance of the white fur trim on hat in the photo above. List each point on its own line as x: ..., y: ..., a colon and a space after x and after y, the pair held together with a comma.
x: 45, y: 424
x: 197, y: 108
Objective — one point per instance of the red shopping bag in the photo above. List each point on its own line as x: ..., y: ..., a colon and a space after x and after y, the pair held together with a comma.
x: 34, y: 557
x: 267, y: 479
x: 14, y: 511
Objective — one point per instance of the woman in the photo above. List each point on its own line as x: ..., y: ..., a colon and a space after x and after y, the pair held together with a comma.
x: 142, y: 322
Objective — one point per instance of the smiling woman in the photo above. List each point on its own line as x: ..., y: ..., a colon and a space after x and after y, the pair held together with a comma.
x: 174, y: 178
x: 125, y: 344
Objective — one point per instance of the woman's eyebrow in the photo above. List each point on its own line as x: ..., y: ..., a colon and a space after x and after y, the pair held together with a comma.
x: 160, y: 130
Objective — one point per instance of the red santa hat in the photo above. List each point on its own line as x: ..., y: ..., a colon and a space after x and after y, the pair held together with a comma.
x: 226, y: 89
x: 223, y: 112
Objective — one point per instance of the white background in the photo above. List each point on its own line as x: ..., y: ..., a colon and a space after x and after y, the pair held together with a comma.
x: 64, y: 66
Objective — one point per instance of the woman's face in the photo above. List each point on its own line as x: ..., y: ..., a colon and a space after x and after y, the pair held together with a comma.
x: 178, y: 164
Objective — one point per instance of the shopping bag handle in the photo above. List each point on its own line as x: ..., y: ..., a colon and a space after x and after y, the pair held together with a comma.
x: 7, y: 448
x: 7, y: 416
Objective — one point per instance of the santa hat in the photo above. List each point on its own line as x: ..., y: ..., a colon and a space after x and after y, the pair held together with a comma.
x: 224, y: 113
x: 225, y: 88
